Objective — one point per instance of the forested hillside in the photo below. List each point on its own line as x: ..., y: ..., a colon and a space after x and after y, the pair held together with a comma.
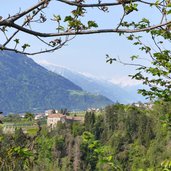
x: 121, y: 138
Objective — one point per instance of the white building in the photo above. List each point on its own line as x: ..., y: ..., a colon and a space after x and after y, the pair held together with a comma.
x: 39, y: 116
x: 53, y: 119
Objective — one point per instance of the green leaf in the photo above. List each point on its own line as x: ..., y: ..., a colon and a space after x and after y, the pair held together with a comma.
x: 92, y: 24
x: 131, y: 37
x: 25, y: 46
x: 169, y: 5
x: 134, y: 57
x: 60, y: 28
x: 17, y: 41
x: 169, y: 12
x: 145, y: 20
x: 68, y: 18
x: 57, y: 18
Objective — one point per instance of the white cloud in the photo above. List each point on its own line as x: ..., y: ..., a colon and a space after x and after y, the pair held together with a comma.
x: 52, y: 66
x: 125, y: 81
x: 46, y: 63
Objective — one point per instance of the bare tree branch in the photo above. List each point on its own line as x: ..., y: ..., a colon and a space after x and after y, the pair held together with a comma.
x: 128, y: 64
x: 74, y: 3
x: 82, y: 32
x: 19, y: 15
x: 52, y: 49
x: 25, y: 22
x: 12, y: 22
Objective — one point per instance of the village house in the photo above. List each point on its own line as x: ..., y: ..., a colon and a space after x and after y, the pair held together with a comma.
x: 148, y: 105
x: 53, y: 119
x: 39, y: 116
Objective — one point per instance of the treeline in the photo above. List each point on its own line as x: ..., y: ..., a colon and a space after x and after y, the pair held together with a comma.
x: 122, y: 138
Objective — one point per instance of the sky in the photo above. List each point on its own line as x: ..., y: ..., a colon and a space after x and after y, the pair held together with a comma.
x: 86, y: 54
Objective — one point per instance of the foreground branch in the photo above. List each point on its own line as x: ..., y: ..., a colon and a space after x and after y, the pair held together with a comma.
x: 73, y: 24
x: 82, y: 32
x: 74, y: 3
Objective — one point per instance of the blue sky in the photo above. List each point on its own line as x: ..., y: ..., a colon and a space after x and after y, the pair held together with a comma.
x: 86, y: 53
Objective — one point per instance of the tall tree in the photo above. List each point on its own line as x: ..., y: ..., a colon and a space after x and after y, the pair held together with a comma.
x: 29, y: 116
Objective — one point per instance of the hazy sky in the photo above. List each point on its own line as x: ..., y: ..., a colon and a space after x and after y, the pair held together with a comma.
x: 86, y: 53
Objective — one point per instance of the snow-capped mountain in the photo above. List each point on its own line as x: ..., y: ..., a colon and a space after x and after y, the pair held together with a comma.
x: 89, y: 83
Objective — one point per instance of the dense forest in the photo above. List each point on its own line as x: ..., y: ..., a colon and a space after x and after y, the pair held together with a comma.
x: 121, y: 138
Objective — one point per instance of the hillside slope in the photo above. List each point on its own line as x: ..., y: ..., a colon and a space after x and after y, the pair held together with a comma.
x: 27, y: 86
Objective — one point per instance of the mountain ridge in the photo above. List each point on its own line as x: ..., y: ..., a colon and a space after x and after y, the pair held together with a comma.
x: 25, y: 85
x: 115, y: 92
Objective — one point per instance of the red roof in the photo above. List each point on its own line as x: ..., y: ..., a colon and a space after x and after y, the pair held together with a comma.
x: 58, y: 115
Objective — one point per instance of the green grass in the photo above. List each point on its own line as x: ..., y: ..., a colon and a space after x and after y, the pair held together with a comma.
x: 82, y: 93
x: 29, y: 127
x: 78, y: 93
x: 32, y: 131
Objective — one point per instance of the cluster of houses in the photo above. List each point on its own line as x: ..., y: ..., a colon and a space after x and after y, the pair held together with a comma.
x: 148, y: 105
x: 53, y: 117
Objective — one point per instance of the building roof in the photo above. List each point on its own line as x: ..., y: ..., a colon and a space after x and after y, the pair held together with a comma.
x: 73, y: 118
x: 58, y: 115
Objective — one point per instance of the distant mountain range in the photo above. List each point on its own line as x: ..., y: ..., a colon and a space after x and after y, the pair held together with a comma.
x: 27, y: 86
x: 115, y: 92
